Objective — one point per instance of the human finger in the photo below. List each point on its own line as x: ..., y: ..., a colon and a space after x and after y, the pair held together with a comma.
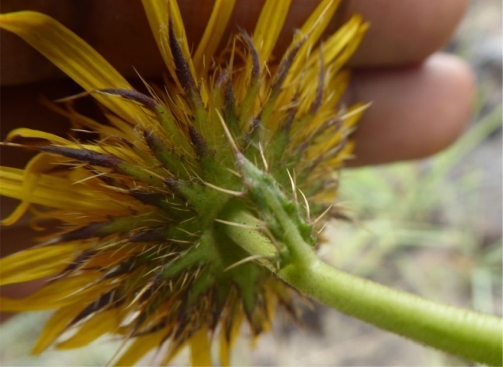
x: 401, y: 32
x: 416, y: 111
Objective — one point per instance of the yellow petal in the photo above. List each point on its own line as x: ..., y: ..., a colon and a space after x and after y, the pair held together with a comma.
x: 313, y: 28
x: 342, y: 45
x: 63, y: 292
x: 171, y: 353
x: 176, y: 18
x: 224, y: 350
x: 54, y: 192
x: 160, y: 13
x: 157, y: 15
x: 73, y: 56
x: 57, y: 140
x: 269, y: 26
x: 339, y: 47
x: 56, y: 325
x: 226, y: 345
x: 220, y: 15
x: 96, y: 326
x: 200, y: 348
x: 141, y: 346
x: 24, y: 184
x: 35, y: 263
x: 30, y: 133
x: 83, y: 121
x: 318, y: 21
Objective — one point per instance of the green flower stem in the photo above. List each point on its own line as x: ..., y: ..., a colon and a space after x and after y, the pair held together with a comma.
x: 457, y: 331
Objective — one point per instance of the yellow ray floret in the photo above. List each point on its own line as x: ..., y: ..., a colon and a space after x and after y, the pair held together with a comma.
x: 312, y: 29
x: 55, y: 326
x: 159, y: 15
x: 102, y: 323
x: 40, y: 190
x: 139, y: 347
x: 212, y: 36
x: 143, y: 201
x: 73, y: 56
x: 268, y: 28
x: 200, y: 348
x: 67, y: 291
x: 35, y: 263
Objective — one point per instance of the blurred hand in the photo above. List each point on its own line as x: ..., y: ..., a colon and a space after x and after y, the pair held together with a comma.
x: 421, y: 100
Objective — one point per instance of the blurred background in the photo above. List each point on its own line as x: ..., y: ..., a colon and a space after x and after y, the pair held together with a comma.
x: 431, y: 227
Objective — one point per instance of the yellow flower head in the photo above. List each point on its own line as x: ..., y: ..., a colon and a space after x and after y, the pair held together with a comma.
x: 144, y: 205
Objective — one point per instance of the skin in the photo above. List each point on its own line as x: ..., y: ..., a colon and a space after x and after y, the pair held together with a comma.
x: 421, y: 99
